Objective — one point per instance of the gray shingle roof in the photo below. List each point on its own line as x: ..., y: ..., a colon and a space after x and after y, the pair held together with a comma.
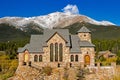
x: 75, y: 48
x: 37, y: 42
x: 84, y: 29
x: 20, y: 50
x: 86, y: 44
x: 63, y: 32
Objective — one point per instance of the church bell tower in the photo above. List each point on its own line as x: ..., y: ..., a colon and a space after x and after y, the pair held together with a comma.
x: 84, y: 34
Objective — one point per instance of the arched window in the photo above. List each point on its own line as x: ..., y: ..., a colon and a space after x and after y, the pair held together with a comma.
x: 35, y: 58
x: 56, y: 51
x: 40, y: 58
x: 26, y: 57
x: 72, y: 58
x: 76, y: 58
x: 60, y: 52
x: 51, y: 52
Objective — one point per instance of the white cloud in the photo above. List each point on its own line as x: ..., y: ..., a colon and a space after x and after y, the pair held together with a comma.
x: 71, y: 9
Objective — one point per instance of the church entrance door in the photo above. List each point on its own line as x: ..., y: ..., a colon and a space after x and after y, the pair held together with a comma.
x: 87, y: 60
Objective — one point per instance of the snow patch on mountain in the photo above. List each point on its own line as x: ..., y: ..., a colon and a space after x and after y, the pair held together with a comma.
x: 105, y: 23
x: 46, y: 21
x: 52, y: 20
x: 69, y: 16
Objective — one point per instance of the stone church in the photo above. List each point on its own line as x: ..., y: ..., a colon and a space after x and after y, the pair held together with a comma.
x: 58, y: 48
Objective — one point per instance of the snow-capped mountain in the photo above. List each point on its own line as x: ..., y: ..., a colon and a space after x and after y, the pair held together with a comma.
x: 56, y: 19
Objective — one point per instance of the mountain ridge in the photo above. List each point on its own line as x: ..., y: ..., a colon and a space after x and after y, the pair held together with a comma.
x: 52, y: 20
x: 10, y: 30
x: 97, y: 31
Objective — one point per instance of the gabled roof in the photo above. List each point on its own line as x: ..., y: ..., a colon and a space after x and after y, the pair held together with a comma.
x: 84, y: 29
x: 37, y: 42
x: 106, y: 52
x: 63, y: 32
x: 58, y: 34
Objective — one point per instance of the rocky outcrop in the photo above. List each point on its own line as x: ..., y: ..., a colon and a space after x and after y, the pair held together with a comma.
x: 26, y: 73
x: 35, y: 73
x: 32, y: 73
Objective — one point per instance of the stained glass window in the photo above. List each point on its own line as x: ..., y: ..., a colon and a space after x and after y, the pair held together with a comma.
x: 60, y: 52
x: 35, y: 58
x: 56, y: 51
x: 51, y: 52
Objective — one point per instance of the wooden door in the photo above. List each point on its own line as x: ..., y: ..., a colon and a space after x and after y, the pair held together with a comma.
x: 87, y: 59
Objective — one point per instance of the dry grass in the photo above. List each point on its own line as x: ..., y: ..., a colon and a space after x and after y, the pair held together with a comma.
x: 117, y: 75
x: 116, y: 78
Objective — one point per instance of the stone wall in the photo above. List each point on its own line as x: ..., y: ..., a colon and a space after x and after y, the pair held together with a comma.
x: 66, y: 54
x: 88, y: 51
x: 102, y: 72
x: 85, y: 36
x: 57, y: 39
x: 20, y: 59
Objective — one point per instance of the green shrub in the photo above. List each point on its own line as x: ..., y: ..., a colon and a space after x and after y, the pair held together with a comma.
x: 5, y: 76
x: 7, y: 67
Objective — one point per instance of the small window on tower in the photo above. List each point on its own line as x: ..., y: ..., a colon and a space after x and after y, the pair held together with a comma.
x: 84, y: 35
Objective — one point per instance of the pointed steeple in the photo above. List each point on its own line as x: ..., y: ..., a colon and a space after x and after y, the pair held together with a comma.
x: 84, y: 30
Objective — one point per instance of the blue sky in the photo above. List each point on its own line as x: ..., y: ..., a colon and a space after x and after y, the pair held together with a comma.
x: 96, y: 9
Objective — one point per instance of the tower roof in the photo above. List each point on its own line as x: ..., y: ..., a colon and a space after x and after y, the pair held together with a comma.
x: 84, y: 29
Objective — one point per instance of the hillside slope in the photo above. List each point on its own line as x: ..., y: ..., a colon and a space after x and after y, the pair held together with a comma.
x: 8, y: 32
x: 98, y: 31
